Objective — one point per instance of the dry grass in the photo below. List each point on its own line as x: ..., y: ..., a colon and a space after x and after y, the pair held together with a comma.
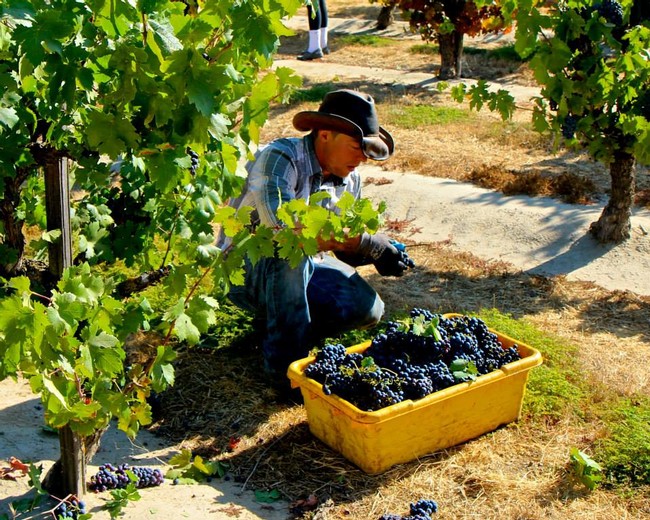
x: 517, y: 472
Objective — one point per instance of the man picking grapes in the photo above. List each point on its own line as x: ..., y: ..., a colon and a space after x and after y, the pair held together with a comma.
x: 324, y: 295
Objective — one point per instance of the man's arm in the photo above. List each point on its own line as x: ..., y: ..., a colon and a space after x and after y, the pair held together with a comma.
x: 272, y: 181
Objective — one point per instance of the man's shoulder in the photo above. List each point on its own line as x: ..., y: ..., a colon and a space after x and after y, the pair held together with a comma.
x: 284, y: 143
x: 294, y: 149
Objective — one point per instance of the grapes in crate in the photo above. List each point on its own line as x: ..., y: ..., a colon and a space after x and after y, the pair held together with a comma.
x: 411, y: 359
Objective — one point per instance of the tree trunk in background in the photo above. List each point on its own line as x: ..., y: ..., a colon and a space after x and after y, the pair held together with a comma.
x: 451, y: 55
x: 386, y: 16
x: 614, y: 224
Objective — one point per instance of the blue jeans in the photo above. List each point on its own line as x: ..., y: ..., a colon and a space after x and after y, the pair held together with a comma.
x: 320, y: 298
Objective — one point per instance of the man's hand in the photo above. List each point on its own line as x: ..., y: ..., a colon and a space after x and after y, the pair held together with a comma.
x: 381, y: 251
x: 390, y: 263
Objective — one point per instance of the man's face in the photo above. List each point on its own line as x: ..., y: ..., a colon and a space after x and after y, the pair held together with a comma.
x: 339, y: 154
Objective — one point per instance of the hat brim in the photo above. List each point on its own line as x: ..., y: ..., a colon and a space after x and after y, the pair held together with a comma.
x: 378, y: 147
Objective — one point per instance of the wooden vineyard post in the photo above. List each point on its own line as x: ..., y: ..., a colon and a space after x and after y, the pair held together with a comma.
x: 57, y: 207
x: 72, y: 476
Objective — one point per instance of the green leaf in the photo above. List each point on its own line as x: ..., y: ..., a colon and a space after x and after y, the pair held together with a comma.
x: 206, y: 467
x: 65, y: 312
x: 105, y: 355
x: 121, y: 498
x: 110, y: 135
x: 164, y: 35
x: 8, y: 117
x: 207, y: 248
x: 20, y: 283
x: 260, y: 245
x: 200, y: 95
x: 35, y: 479
x: 162, y: 371
x: 80, y: 282
x: 54, y: 391
x: 219, y: 126
x: 267, y: 497
x: 463, y: 370
x: 186, y: 330
x: 103, y: 340
x: 586, y: 470
x: 202, y: 311
x: 182, y: 459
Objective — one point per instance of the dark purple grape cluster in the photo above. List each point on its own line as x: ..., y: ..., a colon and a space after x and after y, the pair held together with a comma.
x: 420, y: 510
x: 70, y: 508
x: 194, y: 159
x: 406, y: 259
x: 411, y: 359
x: 610, y: 10
x: 569, y: 126
x: 424, y: 508
x: 111, y: 477
x: 403, y: 255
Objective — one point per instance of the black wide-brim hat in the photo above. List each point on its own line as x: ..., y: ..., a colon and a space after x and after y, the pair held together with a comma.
x: 352, y: 113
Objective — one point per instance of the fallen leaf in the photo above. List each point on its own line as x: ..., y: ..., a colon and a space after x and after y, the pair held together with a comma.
x: 307, y: 504
x: 18, y: 465
x: 233, y: 443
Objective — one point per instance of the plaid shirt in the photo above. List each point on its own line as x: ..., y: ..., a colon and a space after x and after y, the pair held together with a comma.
x: 288, y: 169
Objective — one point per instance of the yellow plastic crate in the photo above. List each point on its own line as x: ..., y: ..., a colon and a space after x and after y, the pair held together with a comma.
x: 375, y: 441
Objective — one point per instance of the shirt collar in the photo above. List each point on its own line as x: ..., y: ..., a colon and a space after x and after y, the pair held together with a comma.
x: 317, y: 169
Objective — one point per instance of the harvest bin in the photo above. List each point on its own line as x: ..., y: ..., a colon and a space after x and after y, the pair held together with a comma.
x: 375, y: 441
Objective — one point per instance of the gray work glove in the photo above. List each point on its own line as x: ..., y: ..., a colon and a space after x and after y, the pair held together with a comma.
x: 380, y: 250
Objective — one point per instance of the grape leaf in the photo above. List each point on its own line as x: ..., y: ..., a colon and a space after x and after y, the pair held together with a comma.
x: 186, y: 330
x: 463, y: 369
x: 267, y: 497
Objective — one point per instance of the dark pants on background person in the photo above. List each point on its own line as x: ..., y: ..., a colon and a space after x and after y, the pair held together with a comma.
x: 318, y: 32
x: 317, y: 18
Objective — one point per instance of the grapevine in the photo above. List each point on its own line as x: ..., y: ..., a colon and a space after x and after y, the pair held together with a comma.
x: 446, y: 22
x: 411, y: 359
x: 111, y: 477
x: 587, y: 59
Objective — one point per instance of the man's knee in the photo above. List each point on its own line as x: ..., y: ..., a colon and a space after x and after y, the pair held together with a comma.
x: 374, y: 314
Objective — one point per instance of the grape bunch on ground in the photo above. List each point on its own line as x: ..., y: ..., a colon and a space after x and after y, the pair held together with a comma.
x: 111, y: 477
x: 411, y: 359
x: 420, y: 510
x: 70, y: 508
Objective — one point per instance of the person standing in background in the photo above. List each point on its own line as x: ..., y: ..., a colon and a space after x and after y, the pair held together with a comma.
x: 318, y: 45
